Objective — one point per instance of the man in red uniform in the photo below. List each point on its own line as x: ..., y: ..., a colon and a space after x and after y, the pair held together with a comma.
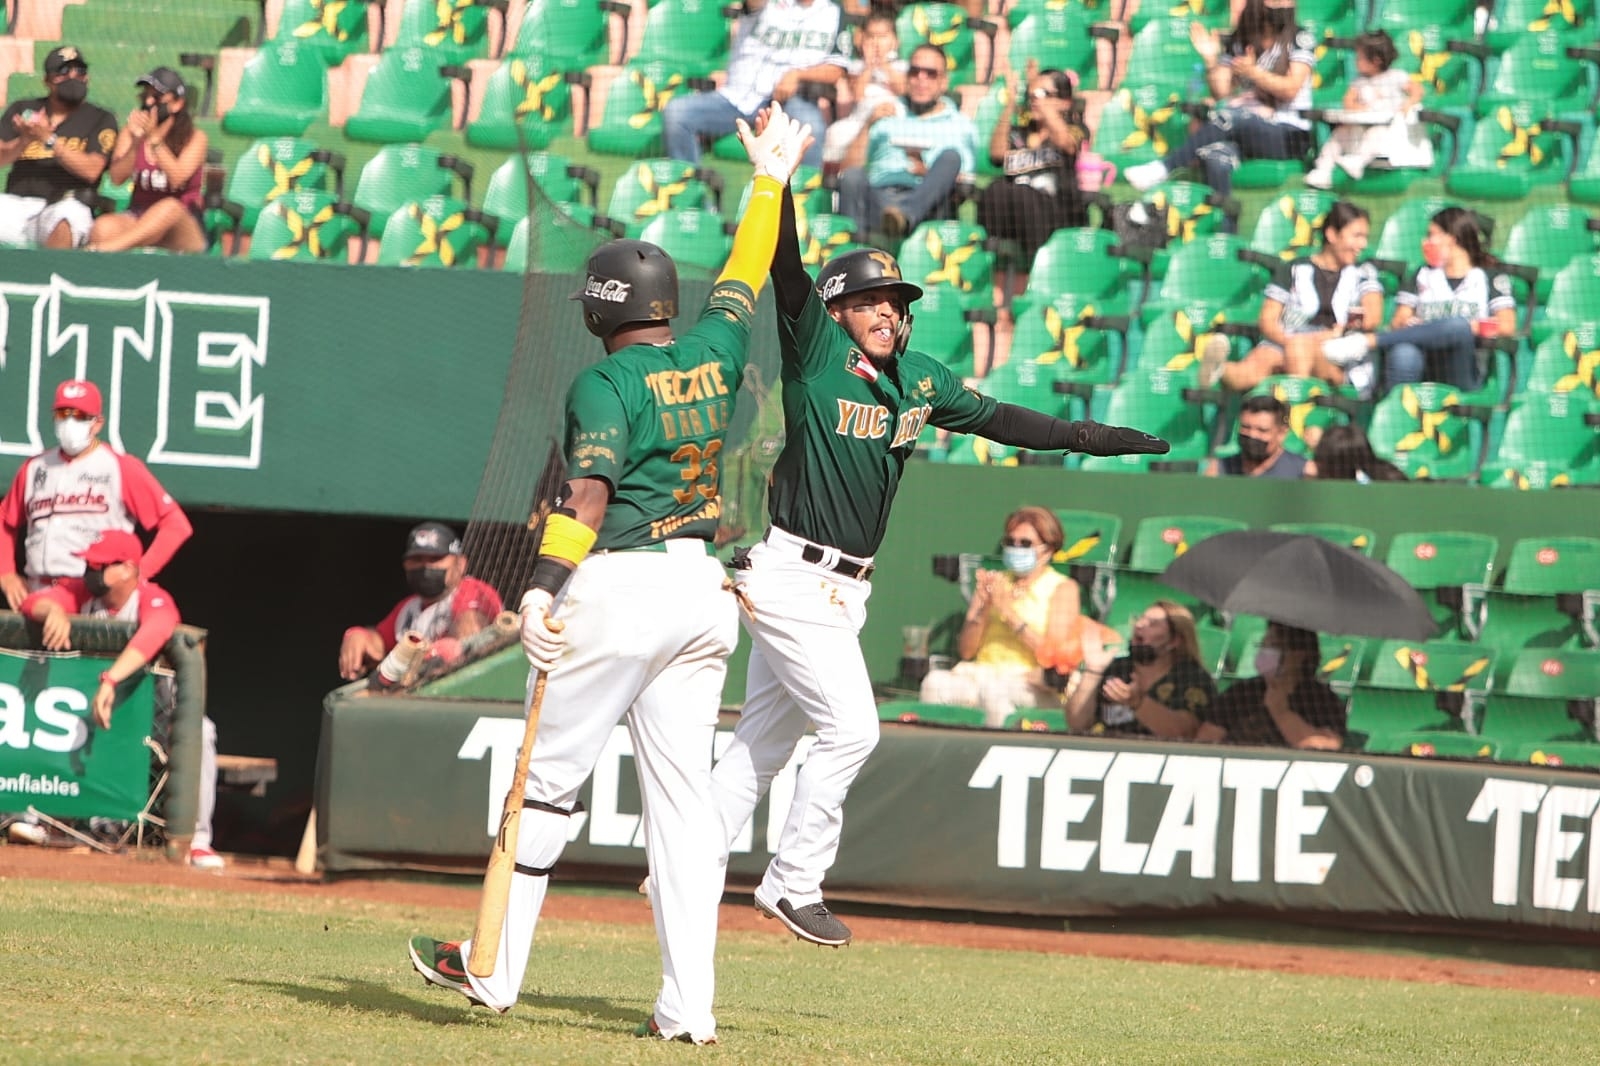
x: 446, y: 606
x: 62, y: 499
x: 112, y: 587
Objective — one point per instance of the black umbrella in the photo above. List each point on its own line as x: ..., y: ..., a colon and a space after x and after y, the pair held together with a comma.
x: 1302, y: 581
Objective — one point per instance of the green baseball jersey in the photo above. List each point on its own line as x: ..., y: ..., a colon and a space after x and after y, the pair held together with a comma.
x: 849, y: 428
x: 650, y: 420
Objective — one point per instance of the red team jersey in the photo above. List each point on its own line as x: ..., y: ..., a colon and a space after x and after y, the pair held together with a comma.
x: 434, y: 620
x: 64, y: 504
x: 150, y: 605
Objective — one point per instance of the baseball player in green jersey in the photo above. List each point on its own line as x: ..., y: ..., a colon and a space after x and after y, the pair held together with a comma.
x: 626, y: 566
x: 855, y: 399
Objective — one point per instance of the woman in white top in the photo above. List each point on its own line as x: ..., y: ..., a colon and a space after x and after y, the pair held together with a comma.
x: 1452, y: 300
x: 1322, y: 297
x: 1263, y: 78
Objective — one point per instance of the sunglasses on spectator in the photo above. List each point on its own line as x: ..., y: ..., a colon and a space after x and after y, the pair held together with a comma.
x: 926, y: 72
x: 1043, y: 94
x: 1018, y: 542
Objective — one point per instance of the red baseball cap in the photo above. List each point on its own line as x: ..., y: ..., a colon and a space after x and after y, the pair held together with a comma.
x: 114, y: 546
x: 79, y: 396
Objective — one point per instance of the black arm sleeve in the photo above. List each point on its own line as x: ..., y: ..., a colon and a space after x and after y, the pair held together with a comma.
x: 790, y: 282
x: 1021, y: 427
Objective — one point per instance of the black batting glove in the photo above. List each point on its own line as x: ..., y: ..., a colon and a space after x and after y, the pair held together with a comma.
x: 1093, y: 438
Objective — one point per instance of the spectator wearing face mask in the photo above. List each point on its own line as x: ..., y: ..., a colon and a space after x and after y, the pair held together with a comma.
x: 63, y: 499
x: 1022, y: 621
x: 163, y: 153
x: 1158, y: 689
x: 445, y: 606
x: 1263, y: 428
x: 1284, y: 706
x: 56, y: 145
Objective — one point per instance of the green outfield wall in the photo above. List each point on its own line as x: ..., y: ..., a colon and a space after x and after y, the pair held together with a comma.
x: 1025, y: 823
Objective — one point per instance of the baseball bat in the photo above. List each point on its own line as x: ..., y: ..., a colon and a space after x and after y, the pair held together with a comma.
x: 305, y: 861
x: 503, y: 856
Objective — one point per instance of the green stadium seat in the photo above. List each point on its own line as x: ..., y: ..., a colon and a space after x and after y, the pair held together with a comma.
x: 438, y: 232
x: 1568, y: 361
x: 944, y: 327
x: 1086, y: 263
x: 335, y: 28
x: 1584, y: 185
x: 1537, y: 69
x: 1551, y: 695
x: 1356, y: 538
x: 406, y: 98
x: 524, y: 93
x: 1163, y: 56
x: 695, y: 238
x: 1548, y: 599
x: 269, y: 168
x: 556, y: 241
x: 825, y: 237
x: 1421, y: 429
x: 655, y: 185
x: 1158, y: 402
x: 1290, y: 226
x: 630, y: 123
x: 1156, y: 542
x: 1207, y: 271
x: 1548, y: 237
x: 919, y: 713
x: 153, y: 32
x: 282, y: 90
x: 970, y: 450
x: 1339, y: 668
x: 1140, y: 124
x: 1435, y: 744
x: 953, y: 253
x: 451, y: 31
x: 1213, y: 14
x: 1513, y: 149
x: 1549, y: 440
x: 1516, y: 18
x: 400, y: 174
x: 949, y: 27
x: 1038, y: 720
x: 1455, y: 567
x: 1191, y: 210
x: 1579, y: 754
x: 1574, y: 297
x: 1213, y: 641
x: 1060, y: 38
x: 690, y: 36
x: 1175, y: 339
x: 1073, y: 340
x: 568, y: 34
x: 1414, y: 687
x: 307, y: 225
x: 1089, y: 538
x: 559, y: 182
x: 1100, y: 10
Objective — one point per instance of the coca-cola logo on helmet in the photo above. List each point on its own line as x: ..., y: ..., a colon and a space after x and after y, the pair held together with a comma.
x: 607, y: 289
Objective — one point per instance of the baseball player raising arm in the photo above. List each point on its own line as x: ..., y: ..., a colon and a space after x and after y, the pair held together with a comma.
x: 855, y: 399
x: 626, y: 566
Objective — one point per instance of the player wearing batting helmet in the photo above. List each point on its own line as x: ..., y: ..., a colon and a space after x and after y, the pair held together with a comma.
x: 626, y: 568
x: 855, y: 399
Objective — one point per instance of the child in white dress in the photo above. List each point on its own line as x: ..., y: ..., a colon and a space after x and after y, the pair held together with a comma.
x: 1379, y: 91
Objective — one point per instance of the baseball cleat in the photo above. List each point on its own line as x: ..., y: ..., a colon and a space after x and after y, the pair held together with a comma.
x: 649, y: 1028
x: 813, y: 922
x: 440, y: 964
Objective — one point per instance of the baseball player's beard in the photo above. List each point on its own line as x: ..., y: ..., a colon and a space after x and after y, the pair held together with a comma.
x: 868, y: 343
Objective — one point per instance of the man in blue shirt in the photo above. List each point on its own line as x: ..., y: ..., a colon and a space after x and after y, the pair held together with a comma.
x: 1263, y: 427
x: 901, y: 167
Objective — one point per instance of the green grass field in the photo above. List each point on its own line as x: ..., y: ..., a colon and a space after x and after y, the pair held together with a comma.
x: 125, y: 974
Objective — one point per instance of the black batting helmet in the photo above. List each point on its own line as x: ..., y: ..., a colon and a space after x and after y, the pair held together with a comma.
x: 627, y: 282
x: 868, y: 268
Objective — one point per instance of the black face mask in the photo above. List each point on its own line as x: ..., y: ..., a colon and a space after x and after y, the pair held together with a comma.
x: 1143, y: 654
x: 95, y: 582
x: 1254, y: 448
x: 161, y: 112
x: 1280, y: 18
x: 73, y: 91
x: 427, y: 582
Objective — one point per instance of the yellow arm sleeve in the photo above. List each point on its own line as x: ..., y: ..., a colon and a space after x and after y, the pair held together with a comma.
x: 757, y: 236
x: 566, y: 538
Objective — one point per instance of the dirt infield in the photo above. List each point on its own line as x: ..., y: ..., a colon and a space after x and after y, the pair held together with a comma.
x: 277, y: 876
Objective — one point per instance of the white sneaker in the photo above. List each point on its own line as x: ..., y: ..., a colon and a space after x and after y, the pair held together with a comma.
x: 1213, y: 357
x: 205, y: 859
x: 1320, y: 178
x: 1353, y: 165
x: 28, y: 833
x: 1146, y: 176
x: 1347, y: 350
x: 1362, y: 377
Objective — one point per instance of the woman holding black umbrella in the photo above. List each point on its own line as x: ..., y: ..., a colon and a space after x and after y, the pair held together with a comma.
x: 1285, y: 706
x: 1158, y: 689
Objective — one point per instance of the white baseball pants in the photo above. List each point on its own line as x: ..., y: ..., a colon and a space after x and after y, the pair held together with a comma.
x: 805, y: 666
x: 649, y: 635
